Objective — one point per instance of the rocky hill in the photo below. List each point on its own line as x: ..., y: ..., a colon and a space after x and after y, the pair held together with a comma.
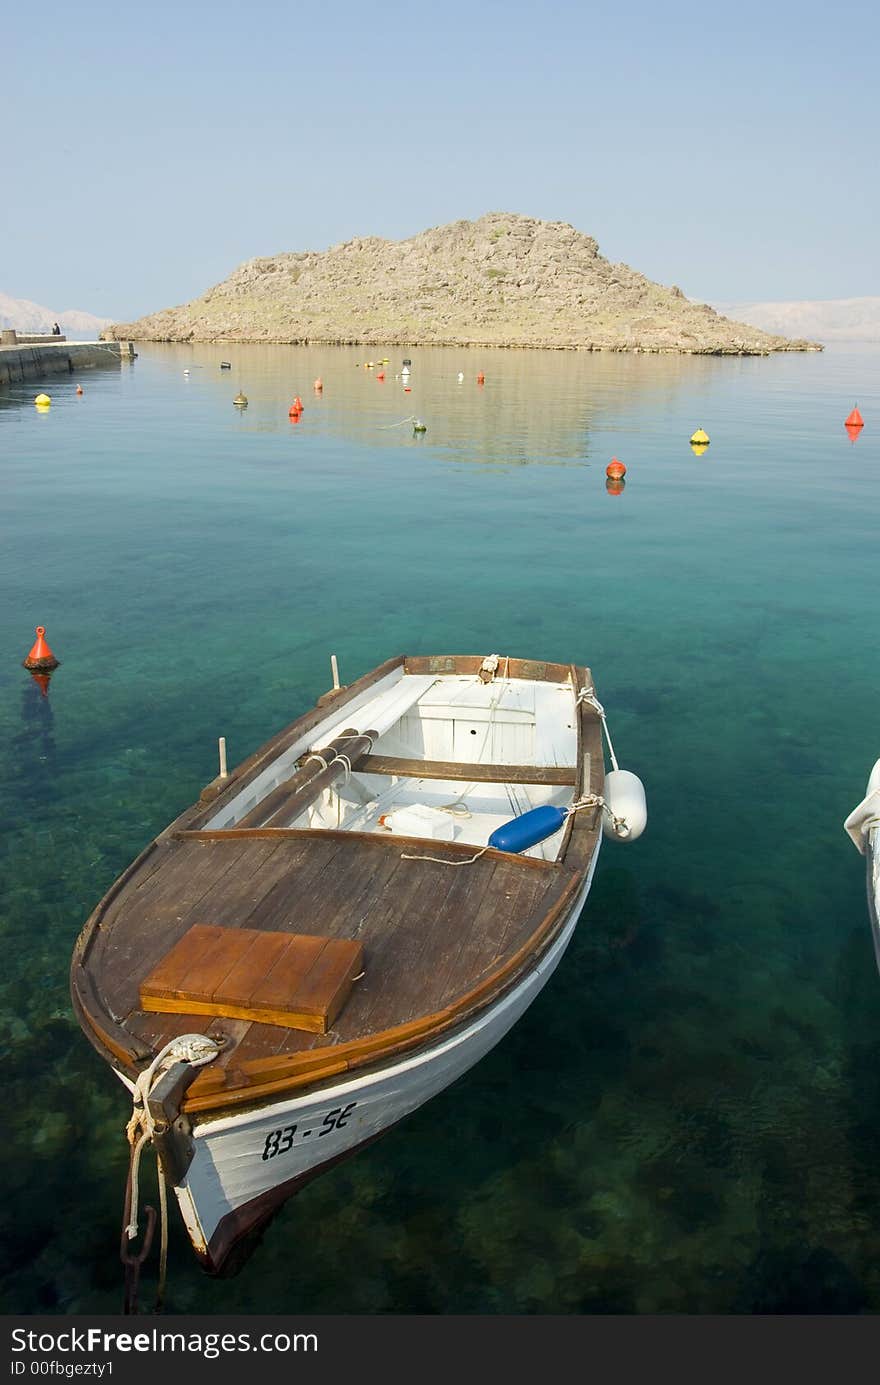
x: 504, y: 280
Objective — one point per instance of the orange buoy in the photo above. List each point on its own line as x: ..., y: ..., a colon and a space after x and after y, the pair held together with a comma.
x: 79, y: 389
x: 318, y: 385
x: 615, y: 469
x: 41, y: 659
x: 481, y: 379
x: 854, y: 419
x: 407, y: 389
x: 297, y: 403
x: 615, y: 485
x: 380, y: 375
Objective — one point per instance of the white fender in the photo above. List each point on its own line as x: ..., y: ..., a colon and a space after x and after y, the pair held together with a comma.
x: 624, y: 795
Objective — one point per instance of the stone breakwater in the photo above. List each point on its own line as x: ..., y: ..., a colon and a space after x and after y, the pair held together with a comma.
x: 503, y: 280
x: 34, y: 362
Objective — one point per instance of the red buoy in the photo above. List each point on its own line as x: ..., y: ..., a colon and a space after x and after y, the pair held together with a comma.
x: 297, y: 404
x: 615, y: 469
x: 854, y: 420
x: 41, y: 659
x: 380, y: 375
x: 481, y: 379
x: 318, y: 385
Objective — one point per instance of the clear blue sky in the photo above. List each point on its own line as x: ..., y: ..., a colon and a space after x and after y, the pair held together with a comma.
x: 149, y: 148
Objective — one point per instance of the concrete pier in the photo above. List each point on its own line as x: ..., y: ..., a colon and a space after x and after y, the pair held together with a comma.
x: 54, y: 357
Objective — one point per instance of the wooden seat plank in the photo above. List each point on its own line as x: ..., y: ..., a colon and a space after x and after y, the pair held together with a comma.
x: 327, y: 983
x: 251, y: 967
x: 478, y: 774
x: 303, y: 981
x: 175, y: 975
x: 285, y: 978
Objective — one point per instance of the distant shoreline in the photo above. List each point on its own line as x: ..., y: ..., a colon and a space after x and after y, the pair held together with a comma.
x: 125, y: 334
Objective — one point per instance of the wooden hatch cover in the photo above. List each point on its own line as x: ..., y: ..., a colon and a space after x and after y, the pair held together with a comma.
x: 290, y: 979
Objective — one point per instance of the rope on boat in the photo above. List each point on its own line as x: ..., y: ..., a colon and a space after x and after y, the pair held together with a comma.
x: 195, y: 1049
x: 133, y: 1261
x: 588, y: 695
x: 439, y: 860
x: 594, y: 800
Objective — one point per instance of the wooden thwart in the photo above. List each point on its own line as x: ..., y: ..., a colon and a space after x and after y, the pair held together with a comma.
x: 477, y: 774
x: 290, y: 979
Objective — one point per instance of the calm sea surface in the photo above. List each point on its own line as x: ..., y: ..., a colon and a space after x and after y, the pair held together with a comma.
x: 688, y: 1118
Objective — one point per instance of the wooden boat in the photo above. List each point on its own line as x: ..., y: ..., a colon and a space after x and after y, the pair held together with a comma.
x: 332, y: 935
x: 863, y: 826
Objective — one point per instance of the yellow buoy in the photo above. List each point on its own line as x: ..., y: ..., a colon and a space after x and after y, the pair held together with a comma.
x: 700, y: 436
x: 42, y: 399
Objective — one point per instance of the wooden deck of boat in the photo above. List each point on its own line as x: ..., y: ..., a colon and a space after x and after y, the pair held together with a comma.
x: 429, y: 931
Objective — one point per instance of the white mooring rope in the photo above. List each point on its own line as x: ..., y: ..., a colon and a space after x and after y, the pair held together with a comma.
x: 588, y: 695
x: 196, y: 1049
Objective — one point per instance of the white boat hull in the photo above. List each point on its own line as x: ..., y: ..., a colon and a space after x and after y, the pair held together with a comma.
x: 247, y: 1164
x: 863, y: 828
x: 872, y: 853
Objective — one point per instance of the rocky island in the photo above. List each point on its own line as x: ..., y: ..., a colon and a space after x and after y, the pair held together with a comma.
x: 503, y: 280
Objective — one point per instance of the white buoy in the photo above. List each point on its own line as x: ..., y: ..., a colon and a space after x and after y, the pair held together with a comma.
x: 335, y: 669
x: 460, y: 376
x: 222, y: 747
x: 627, y: 814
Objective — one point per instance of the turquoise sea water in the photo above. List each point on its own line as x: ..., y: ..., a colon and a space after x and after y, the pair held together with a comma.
x: 688, y: 1118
